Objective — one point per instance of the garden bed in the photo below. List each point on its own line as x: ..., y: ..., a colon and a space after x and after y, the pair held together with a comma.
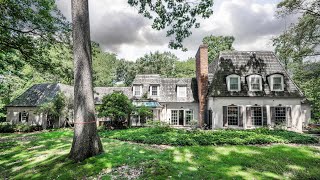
x: 181, y: 137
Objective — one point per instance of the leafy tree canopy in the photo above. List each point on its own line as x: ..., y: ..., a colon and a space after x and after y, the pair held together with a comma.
x: 179, y: 16
x: 28, y: 29
x: 216, y: 44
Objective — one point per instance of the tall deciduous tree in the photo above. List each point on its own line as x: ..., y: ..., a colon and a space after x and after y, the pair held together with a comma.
x: 86, y: 142
x: 216, y: 44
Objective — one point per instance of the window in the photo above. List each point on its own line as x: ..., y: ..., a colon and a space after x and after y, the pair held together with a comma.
x: 255, y: 83
x: 276, y: 82
x: 182, y: 91
x: 189, y: 116
x: 233, y: 82
x: 280, y: 115
x: 154, y: 90
x: 137, y: 90
x: 257, y: 116
x: 174, y: 117
x: 233, y: 115
x: 23, y: 116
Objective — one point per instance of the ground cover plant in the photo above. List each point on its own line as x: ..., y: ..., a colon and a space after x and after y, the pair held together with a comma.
x: 43, y: 155
x: 171, y: 136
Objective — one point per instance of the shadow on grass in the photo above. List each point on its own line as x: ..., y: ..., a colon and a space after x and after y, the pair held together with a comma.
x: 46, y: 158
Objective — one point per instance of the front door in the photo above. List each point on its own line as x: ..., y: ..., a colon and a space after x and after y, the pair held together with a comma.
x: 181, y: 117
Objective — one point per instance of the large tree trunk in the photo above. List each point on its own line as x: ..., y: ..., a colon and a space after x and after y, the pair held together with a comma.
x: 86, y: 142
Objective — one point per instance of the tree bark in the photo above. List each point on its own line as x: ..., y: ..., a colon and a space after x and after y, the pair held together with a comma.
x: 86, y: 142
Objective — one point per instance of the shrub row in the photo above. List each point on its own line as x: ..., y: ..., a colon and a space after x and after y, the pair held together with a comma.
x: 10, y: 128
x: 170, y: 136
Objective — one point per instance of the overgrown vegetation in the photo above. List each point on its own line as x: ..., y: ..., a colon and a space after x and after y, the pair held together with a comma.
x: 44, y: 156
x: 171, y: 136
x: 6, y: 127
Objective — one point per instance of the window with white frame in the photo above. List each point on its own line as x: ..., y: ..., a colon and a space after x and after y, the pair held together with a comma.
x: 189, y: 116
x: 154, y: 90
x: 280, y: 115
x: 137, y: 90
x: 256, y: 116
x: 182, y: 91
x: 277, y: 82
x: 233, y: 115
x: 24, y: 116
x: 255, y: 83
x: 233, y: 82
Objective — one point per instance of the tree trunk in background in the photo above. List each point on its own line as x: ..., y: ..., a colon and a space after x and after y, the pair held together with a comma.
x: 86, y: 142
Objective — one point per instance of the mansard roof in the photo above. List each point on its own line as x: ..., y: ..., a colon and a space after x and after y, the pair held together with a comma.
x: 264, y: 63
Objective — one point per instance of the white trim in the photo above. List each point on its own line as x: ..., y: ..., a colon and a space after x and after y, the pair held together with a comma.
x: 260, y: 82
x: 271, y: 82
x: 178, y: 114
x: 238, y: 107
x: 158, y: 90
x: 228, y: 82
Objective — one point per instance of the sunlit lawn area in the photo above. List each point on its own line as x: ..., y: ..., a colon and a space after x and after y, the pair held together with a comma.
x: 44, y: 156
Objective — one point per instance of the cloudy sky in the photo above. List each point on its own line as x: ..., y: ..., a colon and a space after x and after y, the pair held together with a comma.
x: 120, y: 29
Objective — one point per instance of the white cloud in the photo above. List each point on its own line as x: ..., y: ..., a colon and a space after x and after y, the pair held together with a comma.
x: 120, y: 29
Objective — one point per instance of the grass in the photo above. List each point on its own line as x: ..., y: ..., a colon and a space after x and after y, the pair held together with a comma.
x: 44, y: 156
x: 171, y: 136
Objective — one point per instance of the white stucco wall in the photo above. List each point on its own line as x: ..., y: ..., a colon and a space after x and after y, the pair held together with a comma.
x: 297, y: 113
x: 167, y: 107
x: 34, y: 118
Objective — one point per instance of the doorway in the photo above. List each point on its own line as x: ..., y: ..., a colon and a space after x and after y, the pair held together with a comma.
x: 181, y: 117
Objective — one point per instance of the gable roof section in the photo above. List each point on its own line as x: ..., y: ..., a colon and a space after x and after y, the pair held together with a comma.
x: 264, y: 63
x: 99, y: 92
x: 39, y: 94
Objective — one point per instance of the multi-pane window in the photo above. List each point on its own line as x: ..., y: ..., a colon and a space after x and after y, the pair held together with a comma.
x: 137, y: 90
x: 154, y: 90
x: 277, y: 83
x: 234, y: 83
x: 182, y: 91
x: 255, y: 83
x: 233, y: 115
x: 24, y: 116
x: 189, y: 116
x: 174, y: 117
x: 257, y: 116
x: 280, y: 115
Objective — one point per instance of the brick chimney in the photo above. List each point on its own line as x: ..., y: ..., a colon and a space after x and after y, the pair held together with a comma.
x: 202, y: 81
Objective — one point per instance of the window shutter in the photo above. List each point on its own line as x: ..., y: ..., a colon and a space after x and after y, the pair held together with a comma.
x: 289, y: 118
x: 272, y: 114
x: 249, y: 120
x: 264, y: 111
x: 27, y: 117
x: 20, y: 115
x: 240, y: 116
x: 225, y: 118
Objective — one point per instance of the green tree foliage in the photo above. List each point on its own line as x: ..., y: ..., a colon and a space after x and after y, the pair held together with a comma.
x: 144, y: 113
x: 185, y: 68
x: 56, y: 107
x: 117, y: 106
x: 303, y: 37
x: 216, y: 44
x: 28, y: 29
x: 179, y: 15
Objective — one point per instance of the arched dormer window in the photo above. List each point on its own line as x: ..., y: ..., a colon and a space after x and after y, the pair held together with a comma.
x: 254, y: 82
x: 276, y: 82
x: 233, y: 82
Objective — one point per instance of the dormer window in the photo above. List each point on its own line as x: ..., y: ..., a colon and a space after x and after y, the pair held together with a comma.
x: 181, y: 91
x: 154, y: 90
x: 137, y: 90
x: 255, y: 83
x: 276, y: 82
x: 233, y: 82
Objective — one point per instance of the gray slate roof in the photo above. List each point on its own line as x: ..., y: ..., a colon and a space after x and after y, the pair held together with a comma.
x: 39, y: 94
x: 99, y: 92
x: 264, y: 63
x: 168, y: 87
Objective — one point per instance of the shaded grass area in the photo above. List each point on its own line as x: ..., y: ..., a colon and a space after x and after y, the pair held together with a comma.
x: 44, y: 156
x: 171, y: 136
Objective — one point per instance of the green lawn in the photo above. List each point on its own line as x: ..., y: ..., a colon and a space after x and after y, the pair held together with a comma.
x: 44, y: 156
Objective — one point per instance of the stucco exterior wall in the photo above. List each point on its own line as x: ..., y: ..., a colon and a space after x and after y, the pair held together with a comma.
x: 165, y: 115
x: 298, y: 114
x: 34, y: 118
